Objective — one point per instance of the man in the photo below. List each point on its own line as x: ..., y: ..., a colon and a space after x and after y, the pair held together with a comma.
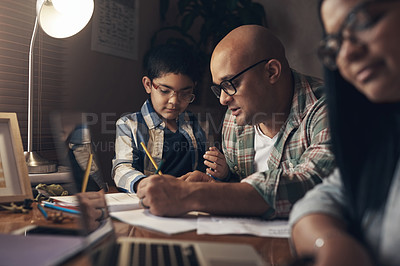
x: 262, y: 93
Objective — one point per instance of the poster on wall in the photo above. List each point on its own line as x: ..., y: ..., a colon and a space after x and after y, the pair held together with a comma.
x: 115, y: 28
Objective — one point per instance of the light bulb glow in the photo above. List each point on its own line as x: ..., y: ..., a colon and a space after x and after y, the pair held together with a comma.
x: 64, y: 18
x: 65, y: 6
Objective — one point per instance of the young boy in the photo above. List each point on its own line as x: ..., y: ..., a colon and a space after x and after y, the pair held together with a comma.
x: 168, y: 131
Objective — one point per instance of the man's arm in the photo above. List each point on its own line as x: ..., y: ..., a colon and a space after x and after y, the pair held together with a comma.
x: 169, y: 196
x: 283, y: 186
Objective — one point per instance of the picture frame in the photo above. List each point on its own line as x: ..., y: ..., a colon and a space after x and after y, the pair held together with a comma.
x: 15, y: 185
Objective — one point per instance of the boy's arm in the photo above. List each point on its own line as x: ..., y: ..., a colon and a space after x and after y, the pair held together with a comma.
x: 127, y: 164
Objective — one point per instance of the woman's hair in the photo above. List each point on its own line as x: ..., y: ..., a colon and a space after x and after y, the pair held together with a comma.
x: 365, y: 144
x: 172, y: 58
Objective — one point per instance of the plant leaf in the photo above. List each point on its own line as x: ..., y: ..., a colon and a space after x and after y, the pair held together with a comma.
x: 187, y: 21
x: 164, y: 5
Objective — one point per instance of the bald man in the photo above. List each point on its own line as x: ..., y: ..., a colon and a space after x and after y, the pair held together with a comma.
x: 275, y: 136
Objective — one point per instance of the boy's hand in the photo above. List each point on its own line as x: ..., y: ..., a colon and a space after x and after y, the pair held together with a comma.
x: 216, y: 162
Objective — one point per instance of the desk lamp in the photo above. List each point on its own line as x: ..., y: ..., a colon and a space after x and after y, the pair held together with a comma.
x: 58, y: 19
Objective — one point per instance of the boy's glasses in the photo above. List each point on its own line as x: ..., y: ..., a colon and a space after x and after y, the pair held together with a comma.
x: 362, y: 18
x: 168, y: 93
x: 227, y: 85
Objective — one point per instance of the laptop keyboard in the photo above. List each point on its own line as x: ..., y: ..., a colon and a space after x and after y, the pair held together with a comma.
x: 151, y: 254
x: 146, y: 254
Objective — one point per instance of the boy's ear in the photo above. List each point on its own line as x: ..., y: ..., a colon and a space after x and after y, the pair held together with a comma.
x: 146, y: 81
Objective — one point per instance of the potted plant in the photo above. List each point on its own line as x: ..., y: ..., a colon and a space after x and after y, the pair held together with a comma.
x: 203, y: 23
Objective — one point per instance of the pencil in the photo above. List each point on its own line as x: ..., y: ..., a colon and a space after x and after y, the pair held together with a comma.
x: 158, y: 171
x: 49, y: 205
x: 42, y: 210
x: 151, y: 158
x: 87, y: 172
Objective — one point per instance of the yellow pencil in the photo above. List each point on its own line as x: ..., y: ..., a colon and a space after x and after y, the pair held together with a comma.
x: 151, y: 158
x: 87, y: 172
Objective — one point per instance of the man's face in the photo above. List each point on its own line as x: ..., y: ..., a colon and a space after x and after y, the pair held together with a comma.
x: 254, y: 100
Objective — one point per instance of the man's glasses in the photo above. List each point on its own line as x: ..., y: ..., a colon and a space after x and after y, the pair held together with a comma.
x: 363, y: 17
x: 168, y: 93
x: 227, y: 86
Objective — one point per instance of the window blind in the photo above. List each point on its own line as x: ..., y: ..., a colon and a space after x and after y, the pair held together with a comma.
x: 16, y: 26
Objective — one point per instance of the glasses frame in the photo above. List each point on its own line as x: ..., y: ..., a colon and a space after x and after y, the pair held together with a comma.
x: 156, y: 87
x: 218, y: 88
x: 330, y: 60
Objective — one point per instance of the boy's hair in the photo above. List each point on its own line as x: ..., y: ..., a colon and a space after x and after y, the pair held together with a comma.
x: 172, y: 58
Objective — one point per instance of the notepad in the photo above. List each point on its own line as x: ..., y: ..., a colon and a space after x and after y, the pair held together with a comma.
x: 115, y: 201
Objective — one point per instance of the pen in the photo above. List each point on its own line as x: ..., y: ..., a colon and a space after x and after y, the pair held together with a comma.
x: 49, y: 205
x: 151, y: 158
x: 158, y: 171
x: 42, y: 211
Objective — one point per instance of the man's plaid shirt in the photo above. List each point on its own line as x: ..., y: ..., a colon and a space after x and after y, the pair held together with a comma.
x: 300, y: 158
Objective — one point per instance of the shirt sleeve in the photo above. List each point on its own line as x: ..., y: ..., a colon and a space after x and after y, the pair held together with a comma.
x: 327, y: 198
x: 283, y: 186
x: 126, y: 167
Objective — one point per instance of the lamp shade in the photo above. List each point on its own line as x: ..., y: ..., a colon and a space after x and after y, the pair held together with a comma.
x: 63, y: 18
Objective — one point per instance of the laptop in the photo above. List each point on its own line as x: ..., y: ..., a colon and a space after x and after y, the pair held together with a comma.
x: 149, y: 251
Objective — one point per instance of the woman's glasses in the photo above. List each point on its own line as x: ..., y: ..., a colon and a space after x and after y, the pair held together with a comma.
x: 363, y: 17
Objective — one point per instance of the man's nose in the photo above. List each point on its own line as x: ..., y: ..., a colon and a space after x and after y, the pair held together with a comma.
x: 224, y: 98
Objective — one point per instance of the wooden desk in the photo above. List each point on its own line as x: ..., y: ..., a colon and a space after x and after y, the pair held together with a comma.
x: 274, y: 251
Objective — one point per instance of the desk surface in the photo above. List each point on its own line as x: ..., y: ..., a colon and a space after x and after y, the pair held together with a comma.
x: 274, y: 251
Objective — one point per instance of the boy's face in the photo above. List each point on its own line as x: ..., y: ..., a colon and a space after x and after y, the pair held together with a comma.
x: 170, y: 94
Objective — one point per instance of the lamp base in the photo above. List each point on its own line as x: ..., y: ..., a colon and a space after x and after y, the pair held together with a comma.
x: 38, y: 165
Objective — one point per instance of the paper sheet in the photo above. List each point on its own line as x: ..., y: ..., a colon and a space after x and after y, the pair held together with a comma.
x: 144, y: 218
x: 115, y: 201
x: 216, y: 225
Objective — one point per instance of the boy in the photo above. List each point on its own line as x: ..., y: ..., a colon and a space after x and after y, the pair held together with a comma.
x: 168, y: 131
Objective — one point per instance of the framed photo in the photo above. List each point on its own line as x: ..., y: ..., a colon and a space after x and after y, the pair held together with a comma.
x: 15, y: 185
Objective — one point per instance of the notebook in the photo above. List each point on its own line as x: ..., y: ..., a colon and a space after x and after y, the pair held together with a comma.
x: 146, y: 251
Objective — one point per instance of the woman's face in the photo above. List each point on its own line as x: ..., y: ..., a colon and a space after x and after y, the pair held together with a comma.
x: 369, y: 55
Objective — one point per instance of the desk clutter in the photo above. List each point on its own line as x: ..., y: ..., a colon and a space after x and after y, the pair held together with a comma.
x: 126, y: 208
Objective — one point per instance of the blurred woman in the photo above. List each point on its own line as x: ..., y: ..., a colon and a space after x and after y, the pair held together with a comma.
x: 353, y: 218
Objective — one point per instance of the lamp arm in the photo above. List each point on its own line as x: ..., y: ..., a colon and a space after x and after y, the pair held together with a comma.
x: 30, y: 86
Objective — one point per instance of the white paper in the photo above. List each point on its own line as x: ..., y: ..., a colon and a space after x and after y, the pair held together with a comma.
x: 115, y: 201
x: 122, y: 201
x: 144, y: 218
x: 215, y: 225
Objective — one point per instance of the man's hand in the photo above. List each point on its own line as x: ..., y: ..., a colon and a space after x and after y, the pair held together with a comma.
x: 164, y: 195
x: 216, y: 162
x: 197, y: 176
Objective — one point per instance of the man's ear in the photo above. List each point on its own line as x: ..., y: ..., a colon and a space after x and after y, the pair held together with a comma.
x: 146, y: 81
x: 273, y: 70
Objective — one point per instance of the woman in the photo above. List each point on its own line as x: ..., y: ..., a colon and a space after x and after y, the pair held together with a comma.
x: 352, y: 218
